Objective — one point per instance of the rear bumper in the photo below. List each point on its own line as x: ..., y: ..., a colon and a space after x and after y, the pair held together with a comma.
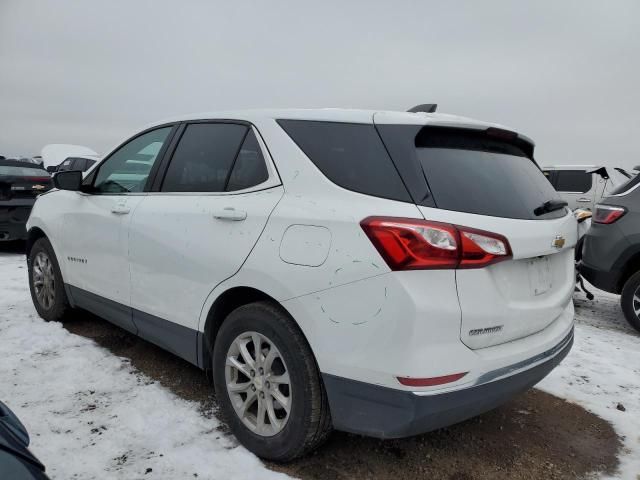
x: 13, y: 220
x: 383, y: 412
x: 602, y: 279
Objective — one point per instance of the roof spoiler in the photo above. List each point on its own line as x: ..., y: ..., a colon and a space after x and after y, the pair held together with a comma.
x: 425, y: 107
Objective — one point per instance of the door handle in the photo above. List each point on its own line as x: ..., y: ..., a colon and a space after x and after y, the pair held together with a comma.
x: 584, y: 200
x: 229, y: 213
x: 120, y: 209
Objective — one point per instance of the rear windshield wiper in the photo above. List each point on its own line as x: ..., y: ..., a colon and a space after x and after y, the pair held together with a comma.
x: 549, y: 206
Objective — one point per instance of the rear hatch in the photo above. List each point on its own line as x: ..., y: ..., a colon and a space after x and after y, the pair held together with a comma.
x: 485, y: 178
x: 21, y: 180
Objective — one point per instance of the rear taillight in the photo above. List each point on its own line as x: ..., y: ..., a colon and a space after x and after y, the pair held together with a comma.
x: 608, y: 213
x: 408, y: 244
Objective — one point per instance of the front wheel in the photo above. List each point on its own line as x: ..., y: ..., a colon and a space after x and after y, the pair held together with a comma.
x: 630, y: 300
x: 268, y: 385
x: 45, y: 282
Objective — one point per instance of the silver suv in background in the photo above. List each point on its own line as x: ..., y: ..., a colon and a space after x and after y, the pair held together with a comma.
x: 583, y: 186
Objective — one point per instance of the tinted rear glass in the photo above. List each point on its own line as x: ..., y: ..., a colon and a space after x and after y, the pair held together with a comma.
x: 350, y: 155
x: 626, y: 185
x: 469, y: 171
x: 12, y: 171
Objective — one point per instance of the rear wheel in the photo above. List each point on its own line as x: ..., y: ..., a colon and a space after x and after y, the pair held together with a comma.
x: 630, y: 300
x: 45, y: 282
x: 268, y: 385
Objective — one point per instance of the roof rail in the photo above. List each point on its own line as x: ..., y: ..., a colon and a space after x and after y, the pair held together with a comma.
x: 425, y: 107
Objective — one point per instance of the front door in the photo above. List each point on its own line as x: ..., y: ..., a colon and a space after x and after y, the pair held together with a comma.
x: 95, y: 230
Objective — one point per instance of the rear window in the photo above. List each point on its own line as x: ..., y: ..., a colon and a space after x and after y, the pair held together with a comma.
x: 350, y: 155
x: 626, y: 186
x: 471, y: 171
x: 11, y: 171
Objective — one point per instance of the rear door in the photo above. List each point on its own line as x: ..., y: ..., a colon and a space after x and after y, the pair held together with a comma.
x: 198, y: 228
x: 478, y: 180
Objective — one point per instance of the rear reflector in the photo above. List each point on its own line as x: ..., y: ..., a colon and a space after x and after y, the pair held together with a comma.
x: 408, y: 244
x: 37, y: 179
x: 430, y: 382
x: 608, y: 214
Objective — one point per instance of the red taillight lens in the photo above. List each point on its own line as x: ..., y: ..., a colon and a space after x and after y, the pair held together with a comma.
x: 480, y: 248
x: 608, y: 213
x: 413, y: 244
x: 407, y: 244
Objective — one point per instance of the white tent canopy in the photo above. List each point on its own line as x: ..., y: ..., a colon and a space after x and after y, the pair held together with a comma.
x: 55, y: 153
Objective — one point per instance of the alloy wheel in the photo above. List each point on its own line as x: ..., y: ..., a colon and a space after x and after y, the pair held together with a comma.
x: 258, y: 383
x: 636, y: 302
x: 44, y: 280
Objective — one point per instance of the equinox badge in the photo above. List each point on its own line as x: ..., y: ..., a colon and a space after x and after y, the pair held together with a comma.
x: 558, y: 242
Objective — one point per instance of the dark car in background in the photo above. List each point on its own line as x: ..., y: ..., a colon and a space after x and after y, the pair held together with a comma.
x: 20, y: 183
x: 611, y: 250
x: 16, y: 461
x: 73, y: 163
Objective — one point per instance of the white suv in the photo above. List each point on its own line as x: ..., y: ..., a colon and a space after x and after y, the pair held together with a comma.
x: 583, y: 186
x: 382, y: 273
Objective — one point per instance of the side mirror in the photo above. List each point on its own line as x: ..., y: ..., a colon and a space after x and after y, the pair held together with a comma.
x: 52, y: 169
x: 70, y: 180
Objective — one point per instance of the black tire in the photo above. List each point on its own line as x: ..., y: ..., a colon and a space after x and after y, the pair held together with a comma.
x: 59, y: 308
x: 627, y: 301
x: 309, y: 422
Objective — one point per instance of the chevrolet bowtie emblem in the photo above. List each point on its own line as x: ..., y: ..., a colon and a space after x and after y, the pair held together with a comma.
x: 558, y: 242
x: 38, y: 187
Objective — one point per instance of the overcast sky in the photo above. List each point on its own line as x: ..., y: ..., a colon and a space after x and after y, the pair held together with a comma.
x: 566, y: 73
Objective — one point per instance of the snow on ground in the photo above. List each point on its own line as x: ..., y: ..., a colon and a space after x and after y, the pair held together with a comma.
x: 90, y: 415
x: 602, y: 371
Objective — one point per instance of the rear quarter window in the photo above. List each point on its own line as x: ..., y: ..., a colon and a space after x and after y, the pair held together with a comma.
x: 350, y: 155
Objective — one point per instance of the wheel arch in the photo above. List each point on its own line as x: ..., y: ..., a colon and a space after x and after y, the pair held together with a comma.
x: 33, y: 235
x: 223, y: 305
x: 630, y: 266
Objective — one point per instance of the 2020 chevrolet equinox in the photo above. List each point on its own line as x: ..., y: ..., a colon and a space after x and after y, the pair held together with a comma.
x: 383, y: 273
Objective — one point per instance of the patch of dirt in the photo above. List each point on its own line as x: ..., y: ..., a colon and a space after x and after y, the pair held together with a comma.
x: 536, y: 435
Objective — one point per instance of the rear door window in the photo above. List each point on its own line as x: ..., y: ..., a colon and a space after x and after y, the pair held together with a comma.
x: 204, y: 157
x: 473, y: 172
x: 350, y: 155
x: 574, y: 181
